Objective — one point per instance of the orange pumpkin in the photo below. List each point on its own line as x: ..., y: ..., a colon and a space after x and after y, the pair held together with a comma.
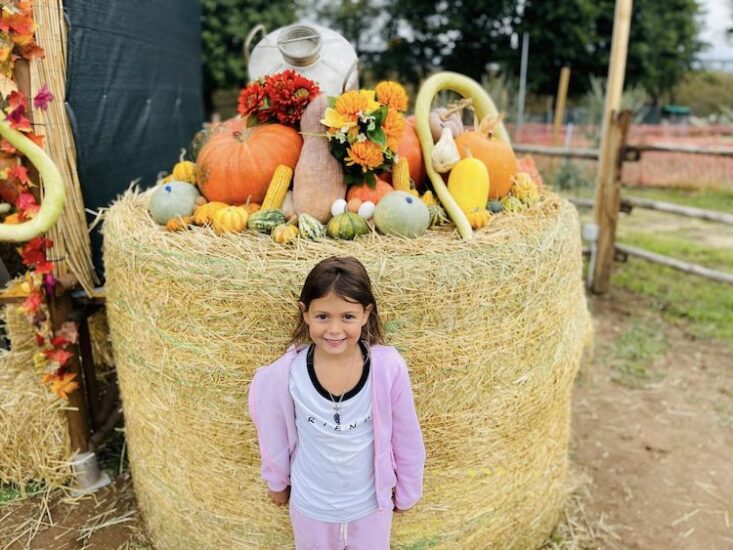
x: 496, y: 154
x: 237, y: 163
x: 409, y: 148
x: 366, y: 193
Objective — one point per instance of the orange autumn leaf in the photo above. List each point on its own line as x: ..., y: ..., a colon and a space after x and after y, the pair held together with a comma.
x: 64, y: 385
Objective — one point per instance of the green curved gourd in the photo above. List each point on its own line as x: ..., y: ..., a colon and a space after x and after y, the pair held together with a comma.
x: 483, y: 106
x: 54, y: 195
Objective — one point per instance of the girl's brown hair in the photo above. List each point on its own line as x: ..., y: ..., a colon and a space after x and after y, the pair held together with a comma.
x: 347, y: 278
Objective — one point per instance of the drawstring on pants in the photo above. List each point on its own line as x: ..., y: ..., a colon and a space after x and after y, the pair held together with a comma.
x: 344, y: 533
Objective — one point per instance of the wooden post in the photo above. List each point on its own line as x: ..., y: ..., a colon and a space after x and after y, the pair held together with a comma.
x: 60, y: 306
x: 562, y: 96
x: 608, y: 195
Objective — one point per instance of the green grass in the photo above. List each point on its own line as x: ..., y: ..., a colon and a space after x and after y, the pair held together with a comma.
x: 10, y: 492
x: 704, y: 308
x: 679, y: 247
x: 720, y: 200
x: 630, y: 357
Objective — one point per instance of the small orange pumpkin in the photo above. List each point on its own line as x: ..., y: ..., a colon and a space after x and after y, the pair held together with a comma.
x: 237, y: 163
x: 366, y: 193
x: 496, y: 154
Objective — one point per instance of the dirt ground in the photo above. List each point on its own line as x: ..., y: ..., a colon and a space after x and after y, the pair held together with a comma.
x: 652, y: 449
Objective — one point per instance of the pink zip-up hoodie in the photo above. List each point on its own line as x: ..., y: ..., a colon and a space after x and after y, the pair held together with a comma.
x: 399, y: 451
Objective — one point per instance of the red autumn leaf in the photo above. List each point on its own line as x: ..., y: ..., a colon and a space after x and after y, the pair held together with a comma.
x: 42, y: 98
x: 40, y: 340
x: 60, y: 356
x: 20, y: 23
x: 18, y: 120
x: 25, y: 201
x: 32, y: 303
x: 20, y: 172
x: 59, y: 341
x: 16, y: 99
x: 36, y: 138
x: 43, y: 267
x: 69, y: 331
x: 6, y: 147
x: 31, y: 51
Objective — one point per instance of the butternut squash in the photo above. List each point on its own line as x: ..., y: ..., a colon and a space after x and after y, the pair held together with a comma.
x: 318, y: 179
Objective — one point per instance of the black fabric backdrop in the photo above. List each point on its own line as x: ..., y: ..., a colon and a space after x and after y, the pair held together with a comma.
x: 134, y: 92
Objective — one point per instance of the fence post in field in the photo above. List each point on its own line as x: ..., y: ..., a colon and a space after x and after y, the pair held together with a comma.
x: 615, y: 126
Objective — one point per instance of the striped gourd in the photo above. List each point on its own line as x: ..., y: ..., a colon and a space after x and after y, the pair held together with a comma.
x: 279, y: 185
x: 266, y: 220
x: 310, y: 227
x: 401, y: 175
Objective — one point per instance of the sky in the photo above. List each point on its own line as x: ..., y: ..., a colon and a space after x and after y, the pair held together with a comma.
x: 717, y: 19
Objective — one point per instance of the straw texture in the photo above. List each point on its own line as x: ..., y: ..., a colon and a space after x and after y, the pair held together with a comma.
x: 70, y: 234
x: 492, y: 329
x: 34, y: 434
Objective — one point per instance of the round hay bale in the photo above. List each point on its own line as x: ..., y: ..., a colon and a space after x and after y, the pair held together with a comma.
x: 492, y: 330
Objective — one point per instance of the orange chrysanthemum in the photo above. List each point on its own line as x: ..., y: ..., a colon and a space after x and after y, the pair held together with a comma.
x: 392, y: 94
x: 356, y: 101
x: 394, y: 127
x: 366, y: 154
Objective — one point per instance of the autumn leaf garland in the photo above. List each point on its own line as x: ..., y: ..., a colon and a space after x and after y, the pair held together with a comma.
x: 17, y: 40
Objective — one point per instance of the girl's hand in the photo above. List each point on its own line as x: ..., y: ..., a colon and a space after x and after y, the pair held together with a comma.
x: 280, y: 498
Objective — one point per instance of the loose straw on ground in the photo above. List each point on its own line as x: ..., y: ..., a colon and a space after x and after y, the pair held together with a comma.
x: 492, y: 329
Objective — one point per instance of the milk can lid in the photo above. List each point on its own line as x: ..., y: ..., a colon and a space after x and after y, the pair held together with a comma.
x: 300, y: 45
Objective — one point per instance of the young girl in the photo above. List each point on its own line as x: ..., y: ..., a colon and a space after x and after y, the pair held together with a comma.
x: 336, y: 422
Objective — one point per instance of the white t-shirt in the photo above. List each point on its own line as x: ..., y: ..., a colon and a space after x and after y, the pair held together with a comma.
x: 332, y: 477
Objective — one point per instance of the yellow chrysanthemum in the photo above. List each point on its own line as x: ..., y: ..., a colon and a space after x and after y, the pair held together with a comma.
x: 356, y: 101
x: 366, y: 154
x: 333, y: 119
x: 392, y: 94
x: 394, y: 127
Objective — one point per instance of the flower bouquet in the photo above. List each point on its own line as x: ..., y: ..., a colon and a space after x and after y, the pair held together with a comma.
x: 280, y: 97
x: 364, y: 130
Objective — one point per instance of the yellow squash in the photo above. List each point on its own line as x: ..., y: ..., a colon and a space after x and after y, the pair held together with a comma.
x: 468, y: 184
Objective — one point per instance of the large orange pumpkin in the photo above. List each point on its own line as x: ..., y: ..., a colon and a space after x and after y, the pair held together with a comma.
x: 496, y: 154
x: 366, y: 193
x: 237, y: 163
x: 409, y: 147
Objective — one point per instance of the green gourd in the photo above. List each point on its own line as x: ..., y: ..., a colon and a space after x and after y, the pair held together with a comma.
x: 402, y: 214
x: 54, y: 195
x: 347, y: 226
x: 310, y: 228
x: 171, y: 200
x: 266, y: 220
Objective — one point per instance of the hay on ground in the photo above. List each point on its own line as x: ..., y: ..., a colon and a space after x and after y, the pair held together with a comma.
x: 492, y: 329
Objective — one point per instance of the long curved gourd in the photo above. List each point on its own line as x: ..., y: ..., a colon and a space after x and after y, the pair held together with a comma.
x: 54, y: 195
x: 483, y: 105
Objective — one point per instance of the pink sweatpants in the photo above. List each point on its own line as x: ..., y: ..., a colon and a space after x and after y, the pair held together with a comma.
x: 368, y: 533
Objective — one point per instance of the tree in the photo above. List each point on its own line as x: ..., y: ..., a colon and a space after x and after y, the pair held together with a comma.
x: 225, y: 24
x: 662, y: 45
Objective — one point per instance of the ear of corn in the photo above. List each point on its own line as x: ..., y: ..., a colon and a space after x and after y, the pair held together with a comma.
x: 401, y: 176
x: 278, y: 187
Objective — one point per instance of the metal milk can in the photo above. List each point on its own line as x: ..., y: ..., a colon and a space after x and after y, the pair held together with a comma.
x: 316, y: 52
